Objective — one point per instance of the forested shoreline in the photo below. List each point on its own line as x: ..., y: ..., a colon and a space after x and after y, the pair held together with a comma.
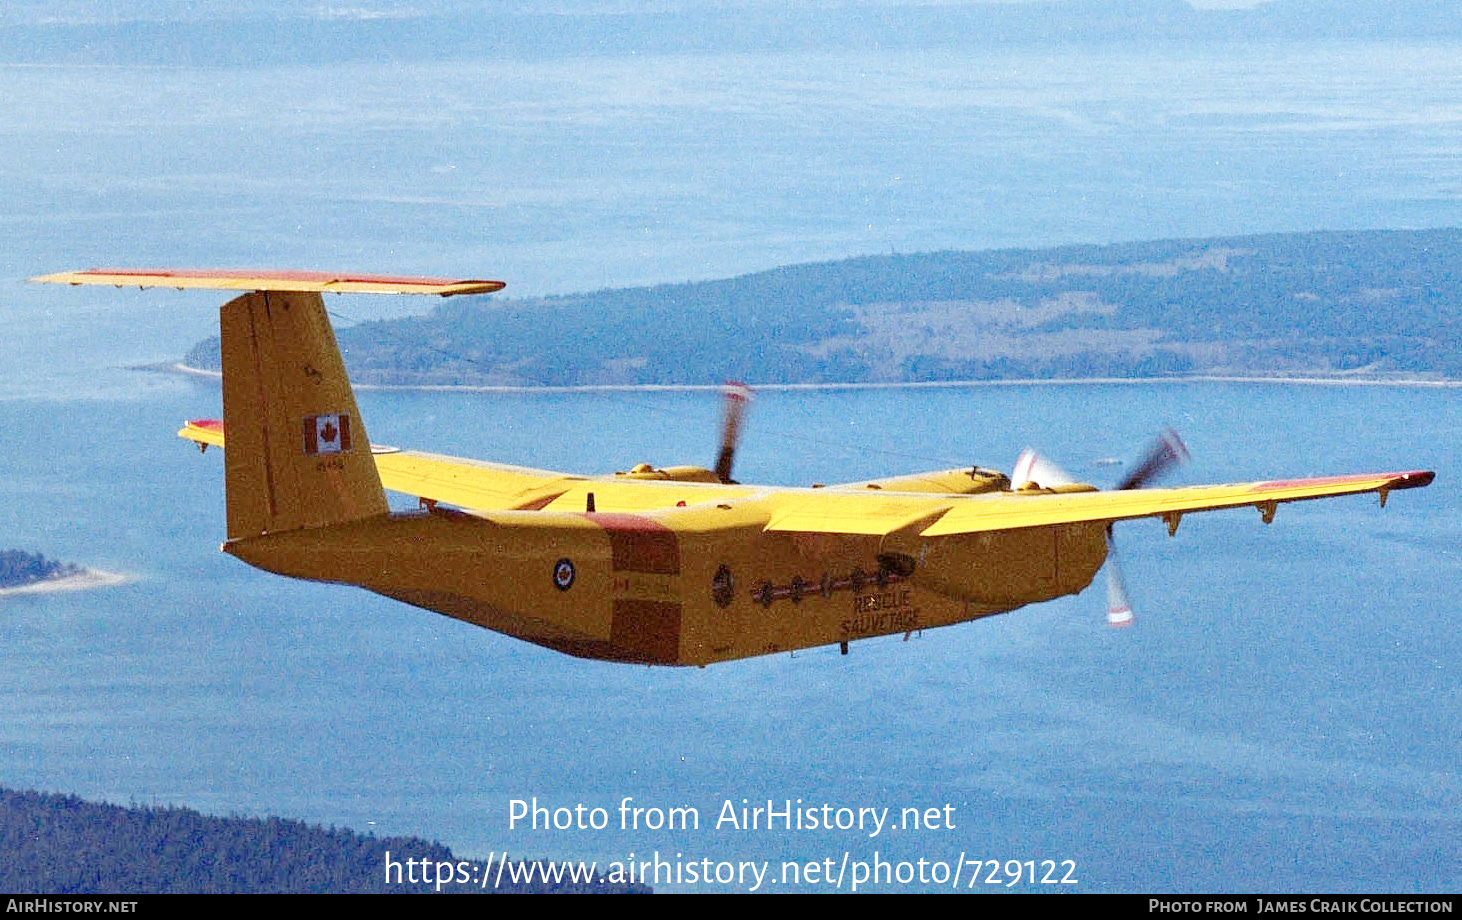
x: 1375, y: 305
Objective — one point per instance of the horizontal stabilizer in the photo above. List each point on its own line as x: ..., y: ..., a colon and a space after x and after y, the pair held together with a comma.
x: 284, y: 281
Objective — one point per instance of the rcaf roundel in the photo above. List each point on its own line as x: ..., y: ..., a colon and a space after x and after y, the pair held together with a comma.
x: 327, y: 434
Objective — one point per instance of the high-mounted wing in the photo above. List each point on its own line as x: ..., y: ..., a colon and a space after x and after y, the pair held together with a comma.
x: 1169, y: 504
x: 473, y: 484
x: 855, y: 509
x: 478, y: 485
x: 873, y: 513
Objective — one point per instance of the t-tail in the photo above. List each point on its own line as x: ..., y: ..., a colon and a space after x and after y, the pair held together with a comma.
x: 298, y: 455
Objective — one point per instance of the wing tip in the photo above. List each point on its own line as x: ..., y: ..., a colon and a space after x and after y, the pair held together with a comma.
x: 1364, y: 482
x: 1414, y: 479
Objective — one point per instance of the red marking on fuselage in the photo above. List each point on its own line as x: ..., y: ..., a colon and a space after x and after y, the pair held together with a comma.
x: 647, y: 630
x: 639, y: 544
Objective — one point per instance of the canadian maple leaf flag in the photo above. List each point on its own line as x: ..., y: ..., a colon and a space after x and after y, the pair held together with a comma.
x: 327, y: 434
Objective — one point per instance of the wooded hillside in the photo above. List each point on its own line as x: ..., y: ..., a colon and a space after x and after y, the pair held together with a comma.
x: 1375, y: 304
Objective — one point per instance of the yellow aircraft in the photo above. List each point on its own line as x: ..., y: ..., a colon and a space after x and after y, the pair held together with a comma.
x: 674, y: 566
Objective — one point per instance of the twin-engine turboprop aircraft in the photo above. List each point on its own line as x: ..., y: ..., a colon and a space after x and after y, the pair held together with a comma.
x: 675, y: 566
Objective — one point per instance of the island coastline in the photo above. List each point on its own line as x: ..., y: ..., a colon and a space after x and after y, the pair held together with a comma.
x: 84, y: 580
x: 1316, y: 308
x: 1390, y: 380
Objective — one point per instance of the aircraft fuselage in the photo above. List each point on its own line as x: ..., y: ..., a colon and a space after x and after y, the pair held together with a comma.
x: 692, y: 586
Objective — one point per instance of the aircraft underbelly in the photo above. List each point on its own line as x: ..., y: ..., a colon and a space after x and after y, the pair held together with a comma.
x: 546, y: 633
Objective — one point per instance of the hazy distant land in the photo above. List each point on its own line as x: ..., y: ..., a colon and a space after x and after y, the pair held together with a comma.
x: 269, y: 31
x: 1374, y: 305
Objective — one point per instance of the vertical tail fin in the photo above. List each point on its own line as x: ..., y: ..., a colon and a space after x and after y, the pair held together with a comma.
x: 298, y: 455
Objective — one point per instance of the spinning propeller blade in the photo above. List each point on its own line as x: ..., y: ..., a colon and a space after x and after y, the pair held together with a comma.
x: 1165, y: 453
x: 1162, y: 455
x: 1119, y: 607
x: 737, y: 397
x: 1032, y: 468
